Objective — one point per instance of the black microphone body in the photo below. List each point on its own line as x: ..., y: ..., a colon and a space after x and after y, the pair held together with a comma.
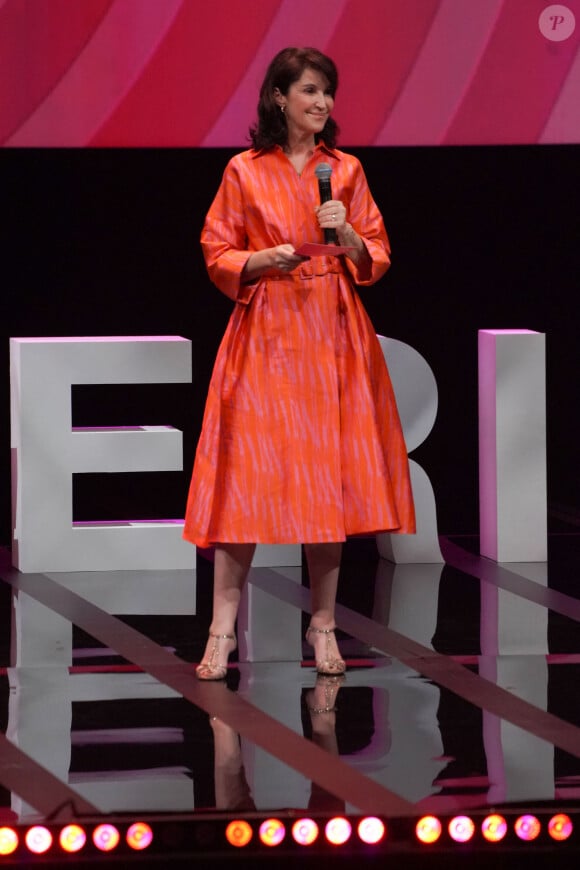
x: 323, y: 172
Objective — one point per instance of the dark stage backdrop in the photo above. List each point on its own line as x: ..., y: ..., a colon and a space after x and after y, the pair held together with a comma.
x: 105, y: 242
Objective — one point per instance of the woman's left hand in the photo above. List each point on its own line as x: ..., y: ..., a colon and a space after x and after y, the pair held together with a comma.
x: 331, y: 215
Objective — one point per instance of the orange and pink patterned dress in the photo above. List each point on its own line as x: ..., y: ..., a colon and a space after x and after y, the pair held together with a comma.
x: 301, y: 439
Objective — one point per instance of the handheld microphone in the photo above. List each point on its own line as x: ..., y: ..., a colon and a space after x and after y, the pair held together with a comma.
x: 323, y: 172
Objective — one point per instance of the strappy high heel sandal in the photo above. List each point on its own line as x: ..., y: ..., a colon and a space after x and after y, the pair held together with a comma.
x: 211, y: 669
x: 330, y: 665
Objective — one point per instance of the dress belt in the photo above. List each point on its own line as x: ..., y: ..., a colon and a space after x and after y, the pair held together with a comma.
x: 319, y: 266
x: 313, y: 268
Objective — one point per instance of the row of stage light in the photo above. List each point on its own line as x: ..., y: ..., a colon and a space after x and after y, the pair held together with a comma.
x: 286, y: 832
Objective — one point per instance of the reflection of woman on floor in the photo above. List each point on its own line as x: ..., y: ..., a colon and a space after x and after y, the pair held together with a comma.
x: 232, y: 791
x: 321, y: 704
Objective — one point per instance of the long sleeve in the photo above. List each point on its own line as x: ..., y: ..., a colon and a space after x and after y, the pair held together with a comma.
x: 367, y: 221
x: 224, y: 239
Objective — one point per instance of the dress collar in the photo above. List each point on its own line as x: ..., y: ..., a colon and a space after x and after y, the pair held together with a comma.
x: 320, y: 148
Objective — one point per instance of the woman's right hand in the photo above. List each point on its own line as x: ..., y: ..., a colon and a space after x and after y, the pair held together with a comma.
x: 282, y: 257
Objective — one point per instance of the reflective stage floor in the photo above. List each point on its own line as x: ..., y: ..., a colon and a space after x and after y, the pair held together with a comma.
x: 461, y: 699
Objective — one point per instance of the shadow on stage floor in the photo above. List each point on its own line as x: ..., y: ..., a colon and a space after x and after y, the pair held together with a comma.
x: 460, y: 702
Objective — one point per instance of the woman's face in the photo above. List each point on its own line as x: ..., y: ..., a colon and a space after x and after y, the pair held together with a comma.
x: 307, y: 104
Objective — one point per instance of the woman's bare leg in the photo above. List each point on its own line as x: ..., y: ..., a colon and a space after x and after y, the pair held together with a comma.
x: 323, y: 569
x: 231, y: 565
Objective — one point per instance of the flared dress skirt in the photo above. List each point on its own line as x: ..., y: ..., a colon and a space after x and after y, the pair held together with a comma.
x: 301, y: 439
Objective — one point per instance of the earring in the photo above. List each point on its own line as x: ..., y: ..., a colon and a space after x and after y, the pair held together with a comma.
x: 282, y: 109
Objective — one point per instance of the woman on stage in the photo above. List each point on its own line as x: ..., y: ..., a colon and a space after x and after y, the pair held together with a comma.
x: 301, y: 439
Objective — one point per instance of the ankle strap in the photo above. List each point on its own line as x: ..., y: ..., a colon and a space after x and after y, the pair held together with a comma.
x: 222, y: 636
x: 321, y: 630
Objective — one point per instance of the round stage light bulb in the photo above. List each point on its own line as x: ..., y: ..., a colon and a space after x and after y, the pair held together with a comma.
x: 239, y: 833
x: 72, y: 838
x: 338, y: 831
x: 494, y: 828
x: 106, y: 837
x: 428, y: 829
x: 560, y: 827
x: 38, y: 839
x: 305, y: 832
x: 272, y: 832
x: 139, y: 836
x: 461, y: 829
x: 527, y: 827
x: 371, y: 830
x: 8, y: 841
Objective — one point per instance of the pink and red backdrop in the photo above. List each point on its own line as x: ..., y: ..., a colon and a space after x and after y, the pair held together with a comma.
x: 175, y: 73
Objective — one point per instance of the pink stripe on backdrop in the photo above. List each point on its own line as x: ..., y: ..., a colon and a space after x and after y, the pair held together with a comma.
x: 175, y: 73
x: 517, y: 82
x: 375, y: 49
x: 564, y: 123
x: 190, y: 80
x: 36, y: 50
x: 435, y: 86
x: 100, y: 76
x: 297, y: 22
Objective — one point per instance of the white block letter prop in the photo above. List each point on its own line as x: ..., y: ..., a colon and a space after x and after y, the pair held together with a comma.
x: 46, y: 452
x: 512, y: 445
x: 416, y: 394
